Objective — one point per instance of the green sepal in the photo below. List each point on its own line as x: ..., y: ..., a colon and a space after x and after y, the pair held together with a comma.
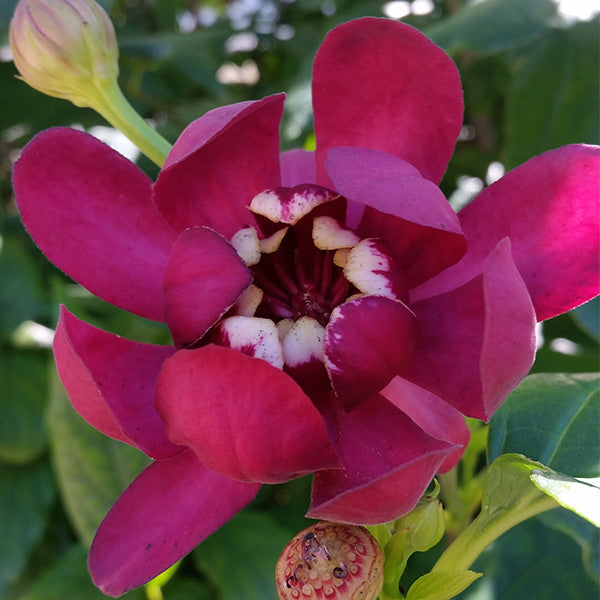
x: 441, y: 585
x: 417, y: 531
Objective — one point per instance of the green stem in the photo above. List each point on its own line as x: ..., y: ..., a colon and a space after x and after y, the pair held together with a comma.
x: 114, y: 107
x: 153, y: 592
x: 486, y: 528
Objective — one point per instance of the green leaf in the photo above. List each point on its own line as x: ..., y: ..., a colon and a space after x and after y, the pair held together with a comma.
x: 582, y: 532
x: 92, y: 469
x: 68, y: 579
x: 22, y: 295
x: 26, y: 497
x: 441, y: 585
x: 562, y: 71
x: 22, y: 402
x: 6, y: 11
x: 532, y: 562
x: 493, y: 25
x: 240, y: 557
x: 587, y: 316
x: 554, y: 419
x: 578, y: 496
x: 509, y: 497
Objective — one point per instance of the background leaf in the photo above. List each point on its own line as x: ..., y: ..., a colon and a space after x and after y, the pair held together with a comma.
x: 240, y: 558
x: 530, y: 562
x: 493, y: 25
x: 68, y: 579
x: 24, y: 375
x: 554, y: 97
x: 22, y: 295
x: 26, y: 497
x: 552, y: 418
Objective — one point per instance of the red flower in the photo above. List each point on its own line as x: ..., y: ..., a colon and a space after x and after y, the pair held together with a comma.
x: 330, y: 312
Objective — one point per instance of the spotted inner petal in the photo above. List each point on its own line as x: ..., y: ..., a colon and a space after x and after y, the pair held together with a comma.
x: 289, y: 205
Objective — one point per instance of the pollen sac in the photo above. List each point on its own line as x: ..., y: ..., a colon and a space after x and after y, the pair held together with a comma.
x: 330, y: 561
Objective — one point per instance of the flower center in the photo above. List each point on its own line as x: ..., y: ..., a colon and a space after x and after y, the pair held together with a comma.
x: 306, y: 268
x: 295, y: 285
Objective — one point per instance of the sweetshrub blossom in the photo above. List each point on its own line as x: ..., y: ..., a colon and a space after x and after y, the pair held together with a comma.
x: 330, y: 313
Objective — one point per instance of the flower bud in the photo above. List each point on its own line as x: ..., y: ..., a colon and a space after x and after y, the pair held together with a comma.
x: 423, y: 527
x: 330, y: 561
x: 64, y: 48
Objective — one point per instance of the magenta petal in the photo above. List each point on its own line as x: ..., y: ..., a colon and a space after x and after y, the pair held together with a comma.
x: 389, y: 462
x: 434, y: 416
x: 204, y: 278
x: 381, y: 84
x: 220, y: 162
x: 243, y: 417
x: 297, y: 166
x: 367, y: 342
x: 167, y: 511
x: 476, y: 342
x: 406, y: 210
x: 89, y: 210
x: 110, y: 382
x: 549, y: 207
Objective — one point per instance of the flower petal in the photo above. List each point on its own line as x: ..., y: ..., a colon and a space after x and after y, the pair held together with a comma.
x: 166, y: 512
x: 476, y: 342
x: 389, y: 462
x: 367, y: 342
x: 382, y: 84
x: 409, y: 212
x: 549, y: 207
x: 204, y: 278
x: 110, y: 383
x: 218, y: 164
x: 297, y: 166
x: 89, y: 210
x: 434, y: 416
x: 243, y: 417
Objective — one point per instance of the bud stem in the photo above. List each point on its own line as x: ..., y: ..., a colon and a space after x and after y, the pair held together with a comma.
x: 114, y: 107
x: 484, y: 529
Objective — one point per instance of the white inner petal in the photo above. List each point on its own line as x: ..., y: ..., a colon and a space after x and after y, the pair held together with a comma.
x: 289, y: 209
x: 368, y: 269
x: 329, y: 234
x: 248, y: 302
x: 271, y: 244
x: 247, y: 245
x: 243, y: 333
x: 283, y: 328
x: 303, y: 342
x: 340, y: 257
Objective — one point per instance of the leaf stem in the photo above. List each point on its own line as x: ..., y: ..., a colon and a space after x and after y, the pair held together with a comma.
x: 486, y: 528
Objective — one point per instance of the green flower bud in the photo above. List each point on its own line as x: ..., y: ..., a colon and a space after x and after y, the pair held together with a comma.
x: 423, y: 527
x: 330, y: 561
x: 64, y: 48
